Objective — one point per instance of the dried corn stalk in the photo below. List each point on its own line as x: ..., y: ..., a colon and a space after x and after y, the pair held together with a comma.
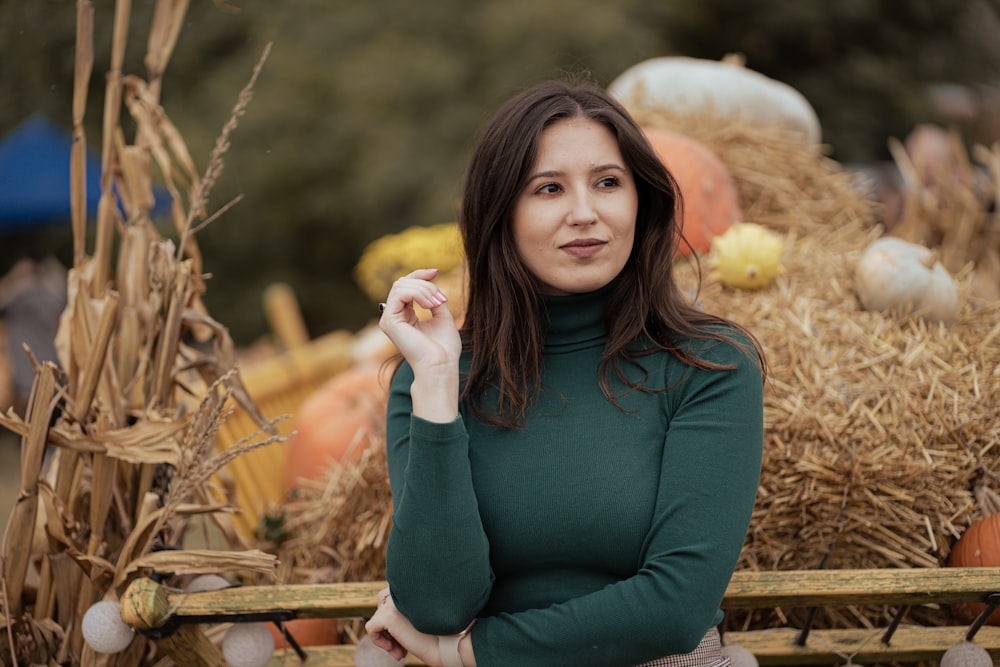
x: 147, y: 378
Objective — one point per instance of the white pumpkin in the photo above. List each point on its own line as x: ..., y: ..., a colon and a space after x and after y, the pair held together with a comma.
x: 682, y: 84
x: 893, y: 275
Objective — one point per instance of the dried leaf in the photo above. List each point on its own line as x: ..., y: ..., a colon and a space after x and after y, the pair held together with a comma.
x: 200, y: 561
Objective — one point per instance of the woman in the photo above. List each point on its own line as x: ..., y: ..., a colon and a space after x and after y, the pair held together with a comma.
x: 573, y: 473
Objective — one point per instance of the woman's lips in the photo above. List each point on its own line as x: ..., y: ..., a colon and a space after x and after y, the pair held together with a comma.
x: 583, y: 248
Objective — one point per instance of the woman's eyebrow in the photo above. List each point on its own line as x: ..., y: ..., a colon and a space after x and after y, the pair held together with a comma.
x: 552, y: 173
x: 555, y: 173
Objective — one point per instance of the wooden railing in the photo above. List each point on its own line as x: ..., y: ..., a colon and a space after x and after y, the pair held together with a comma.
x: 150, y: 608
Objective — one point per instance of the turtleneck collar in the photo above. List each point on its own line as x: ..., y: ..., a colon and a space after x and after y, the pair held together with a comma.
x: 576, y: 321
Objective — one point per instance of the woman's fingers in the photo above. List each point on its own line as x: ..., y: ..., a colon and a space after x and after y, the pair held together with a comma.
x: 383, y: 640
x: 377, y: 627
x: 414, y: 288
x: 423, y: 274
x: 424, y: 343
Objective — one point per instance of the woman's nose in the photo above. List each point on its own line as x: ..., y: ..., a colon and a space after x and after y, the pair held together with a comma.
x: 582, y: 211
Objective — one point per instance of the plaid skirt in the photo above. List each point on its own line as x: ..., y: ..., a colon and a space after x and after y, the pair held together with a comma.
x: 707, y: 654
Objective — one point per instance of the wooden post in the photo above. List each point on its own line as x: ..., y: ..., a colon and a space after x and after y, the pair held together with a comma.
x: 283, y: 315
x: 145, y: 607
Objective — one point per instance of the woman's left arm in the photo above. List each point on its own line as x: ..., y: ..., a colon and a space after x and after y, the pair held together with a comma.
x: 708, y: 484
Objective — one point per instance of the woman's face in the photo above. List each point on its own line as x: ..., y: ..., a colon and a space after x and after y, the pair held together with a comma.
x: 574, y: 222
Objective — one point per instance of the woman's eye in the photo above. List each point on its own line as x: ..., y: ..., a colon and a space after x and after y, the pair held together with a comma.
x: 548, y: 189
x: 608, y: 182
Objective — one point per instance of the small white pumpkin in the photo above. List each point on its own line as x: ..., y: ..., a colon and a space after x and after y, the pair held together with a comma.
x: 893, y: 275
x: 746, y: 256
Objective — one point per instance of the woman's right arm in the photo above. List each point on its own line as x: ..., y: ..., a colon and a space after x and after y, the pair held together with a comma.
x: 437, y: 562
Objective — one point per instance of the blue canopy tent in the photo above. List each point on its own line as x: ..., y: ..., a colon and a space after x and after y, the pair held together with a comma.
x: 35, y: 177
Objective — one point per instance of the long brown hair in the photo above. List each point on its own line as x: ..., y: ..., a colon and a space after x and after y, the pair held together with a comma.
x: 504, y: 321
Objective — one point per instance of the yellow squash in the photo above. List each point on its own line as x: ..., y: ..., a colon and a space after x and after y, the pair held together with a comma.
x: 747, y: 256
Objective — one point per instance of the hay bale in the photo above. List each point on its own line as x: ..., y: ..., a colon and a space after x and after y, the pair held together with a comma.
x: 877, y: 428
x: 879, y: 431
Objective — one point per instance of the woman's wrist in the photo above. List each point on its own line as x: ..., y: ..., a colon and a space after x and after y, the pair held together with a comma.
x: 465, y: 650
x: 434, y: 396
x: 448, y: 651
x: 456, y: 650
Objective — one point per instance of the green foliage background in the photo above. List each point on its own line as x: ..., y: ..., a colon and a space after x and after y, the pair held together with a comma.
x: 364, y: 114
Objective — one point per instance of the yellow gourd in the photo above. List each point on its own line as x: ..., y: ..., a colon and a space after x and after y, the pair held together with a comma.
x: 746, y: 256
x: 896, y: 276
x: 388, y: 257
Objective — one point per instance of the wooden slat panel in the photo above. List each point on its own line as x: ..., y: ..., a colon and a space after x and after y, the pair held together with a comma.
x: 770, y: 647
x: 908, y: 644
x: 747, y: 590
x: 798, y: 588
x: 278, y: 386
x: 324, y: 656
x: 809, y: 588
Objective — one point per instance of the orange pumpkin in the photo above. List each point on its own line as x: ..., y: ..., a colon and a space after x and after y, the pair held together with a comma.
x: 979, y: 546
x: 336, y: 422
x: 307, y: 632
x: 711, y: 197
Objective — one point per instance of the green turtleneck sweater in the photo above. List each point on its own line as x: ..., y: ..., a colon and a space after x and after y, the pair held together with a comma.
x: 593, y: 535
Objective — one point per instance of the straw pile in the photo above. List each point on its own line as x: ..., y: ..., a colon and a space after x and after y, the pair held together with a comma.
x: 337, y: 526
x: 119, y: 441
x: 882, y: 442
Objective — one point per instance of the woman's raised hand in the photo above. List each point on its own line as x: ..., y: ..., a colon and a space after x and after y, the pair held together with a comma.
x: 427, y: 342
x: 431, y: 346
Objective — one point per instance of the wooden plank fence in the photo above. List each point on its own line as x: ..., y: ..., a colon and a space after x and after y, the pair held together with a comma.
x: 149, y: 607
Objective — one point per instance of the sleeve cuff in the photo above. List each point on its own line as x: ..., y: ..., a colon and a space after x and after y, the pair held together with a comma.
x: 435, y: 432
